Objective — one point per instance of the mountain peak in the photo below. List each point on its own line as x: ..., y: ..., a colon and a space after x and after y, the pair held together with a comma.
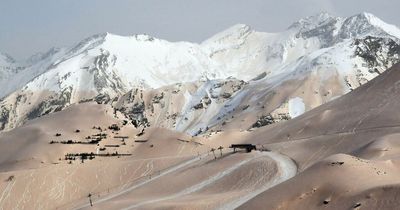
x: 235, y: 32
x: 367, y: 23
x: 371, y: 18
x: 323, y: 17
x: 377, y: 22
x: 330, y: 28
x: 313, y: 21
x: 239, y: 27
x: 365, y: 17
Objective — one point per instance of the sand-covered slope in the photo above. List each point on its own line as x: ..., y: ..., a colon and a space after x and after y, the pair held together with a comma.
x: 48, y: 164
x: 343, y: 125
x: 338, y: 182
x: 363, y: 124
x: 204, y: 184
x: 37, y: 173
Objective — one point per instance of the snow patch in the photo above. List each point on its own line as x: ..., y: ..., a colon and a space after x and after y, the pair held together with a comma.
x: 296, y: 107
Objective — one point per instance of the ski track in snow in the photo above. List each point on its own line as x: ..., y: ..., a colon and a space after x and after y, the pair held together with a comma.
x: 287, y: 169
x: 168, y: 171
x: 7, y: 191
x: 196, y: 187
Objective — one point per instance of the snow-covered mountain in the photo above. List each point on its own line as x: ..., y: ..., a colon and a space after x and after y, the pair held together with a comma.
x: 278, y: 75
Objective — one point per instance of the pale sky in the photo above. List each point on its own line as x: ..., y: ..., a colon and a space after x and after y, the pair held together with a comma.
x: 30, y: 26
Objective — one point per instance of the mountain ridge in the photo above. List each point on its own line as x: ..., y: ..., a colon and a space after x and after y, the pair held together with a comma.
x: 105, y: 66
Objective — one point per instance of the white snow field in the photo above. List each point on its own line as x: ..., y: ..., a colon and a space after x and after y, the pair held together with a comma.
x: 296, y: 107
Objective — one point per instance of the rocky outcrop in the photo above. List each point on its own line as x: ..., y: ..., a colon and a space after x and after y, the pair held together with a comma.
x: 379, y: 53
x: 263, y: 121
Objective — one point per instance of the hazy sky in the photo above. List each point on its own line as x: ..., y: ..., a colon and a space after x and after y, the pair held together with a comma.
x: 30, y: 26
